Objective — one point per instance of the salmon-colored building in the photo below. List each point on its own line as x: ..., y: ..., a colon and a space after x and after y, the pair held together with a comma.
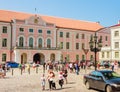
x: 33, y: 37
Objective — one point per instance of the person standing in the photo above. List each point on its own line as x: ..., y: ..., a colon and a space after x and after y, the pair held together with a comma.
x: 43, y: 81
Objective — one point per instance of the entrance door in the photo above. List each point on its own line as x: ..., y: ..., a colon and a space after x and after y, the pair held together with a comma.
x: 24, y: 58
x: 39, y: 58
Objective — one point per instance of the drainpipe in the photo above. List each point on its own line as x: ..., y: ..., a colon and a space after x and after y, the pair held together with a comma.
x: 11, y: 41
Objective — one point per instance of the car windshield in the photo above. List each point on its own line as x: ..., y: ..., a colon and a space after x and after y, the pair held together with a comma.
x: 110, y: 75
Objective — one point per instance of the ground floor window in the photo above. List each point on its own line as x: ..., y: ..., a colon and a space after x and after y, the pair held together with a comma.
x: 4, y: 56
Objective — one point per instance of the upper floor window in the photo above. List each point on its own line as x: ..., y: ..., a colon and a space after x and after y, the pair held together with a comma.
x: 4, y: 56
x: 61, y: 34
x: 40, y: 42
x: 39, y: 31
x: 67, y: 35
x: 21, y: 41
x: 4, y: 42
x: 67, y: 45
x: 116, y: 33
x: 31, y: 30
x: 4, y: 29
x: 48, y: 43
x: 77, y: 46
x: 116, y: 44
x: 77, y: 36
x: 83, y: 45
x: 48, y: 32
x: 21, y: 29
x: 30, y: 42
x: 83, y: 36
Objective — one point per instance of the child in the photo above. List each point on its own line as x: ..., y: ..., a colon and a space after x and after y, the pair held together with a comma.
x: 43, y: 82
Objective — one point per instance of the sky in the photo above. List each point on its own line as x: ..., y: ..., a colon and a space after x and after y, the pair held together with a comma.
x: 107, y: 12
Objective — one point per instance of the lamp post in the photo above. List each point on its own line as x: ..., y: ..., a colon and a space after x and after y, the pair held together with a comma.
x: 85, y: 51
x: 95, y: 46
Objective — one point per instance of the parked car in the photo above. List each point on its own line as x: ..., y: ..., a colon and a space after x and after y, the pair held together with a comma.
x: 12, y: 64
x: 105, y: 80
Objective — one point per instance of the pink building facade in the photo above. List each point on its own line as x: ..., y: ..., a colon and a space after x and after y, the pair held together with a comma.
x: 35, y: 38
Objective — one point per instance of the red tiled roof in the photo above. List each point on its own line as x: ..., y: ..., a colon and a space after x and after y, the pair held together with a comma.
x: 115, y: 25
x: 59, y: 22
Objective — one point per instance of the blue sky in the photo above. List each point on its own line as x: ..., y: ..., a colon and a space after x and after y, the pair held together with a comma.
x: 107, y: 12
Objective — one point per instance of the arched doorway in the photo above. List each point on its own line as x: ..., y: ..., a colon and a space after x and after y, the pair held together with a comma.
x: 23, y: 58
x: 52, y: 57
x: 39, y: 58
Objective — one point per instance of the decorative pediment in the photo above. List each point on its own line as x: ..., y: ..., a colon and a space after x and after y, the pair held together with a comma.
x: 35, y: 20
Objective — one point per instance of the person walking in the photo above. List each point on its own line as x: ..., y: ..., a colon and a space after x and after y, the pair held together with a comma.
x: 61, y: 79
x: 50, y: 78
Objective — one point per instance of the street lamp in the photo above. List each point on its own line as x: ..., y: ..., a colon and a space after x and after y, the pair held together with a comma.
x: 95, y: 46
x: 85, y: 51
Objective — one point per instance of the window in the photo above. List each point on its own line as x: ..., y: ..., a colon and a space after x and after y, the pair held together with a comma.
x: 4, y: 42
x: 106, y: 38
x: 116, y: 54
x: 30, y: 42
x: 48, y: 43
x: 77, y: 46
x: 21, y: 41
x: 83, y: 36
x: 4, y: 56
x: 77, y: 57
x: 61, y: 57
x: 61, y: 45
x: 77, y: 36
x: 39, y: 31
x: 116, y: 33
x: 21, y: 29
x: 83, y: 57
x: 68, y: 57
x: 48, y: 32
x: 100, y: 37
x: 91, y: 57
x: 61, y: 34
x: 67, y: 45
x: 107, y: 54
x: 83, y: 45
x: 31, y: 30
x: 67, y: 35
x: 40, y: 42
x: 4, y: 29
x: 116, y: 44
x: 103, y: 54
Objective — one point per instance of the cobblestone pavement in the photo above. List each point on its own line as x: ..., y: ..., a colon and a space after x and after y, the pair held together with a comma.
x: 31, y: 82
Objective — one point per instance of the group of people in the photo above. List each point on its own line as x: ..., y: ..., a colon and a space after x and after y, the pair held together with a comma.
x: 61, y: 76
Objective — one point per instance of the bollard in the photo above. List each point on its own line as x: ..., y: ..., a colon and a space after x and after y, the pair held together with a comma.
x: 36, y: 69
x: 29, y: 70
x: 12, y: 71
x: 21, y: 71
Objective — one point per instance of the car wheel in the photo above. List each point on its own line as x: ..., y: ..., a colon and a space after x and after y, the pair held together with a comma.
x: 87, y: 85
x: 109, y: 89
